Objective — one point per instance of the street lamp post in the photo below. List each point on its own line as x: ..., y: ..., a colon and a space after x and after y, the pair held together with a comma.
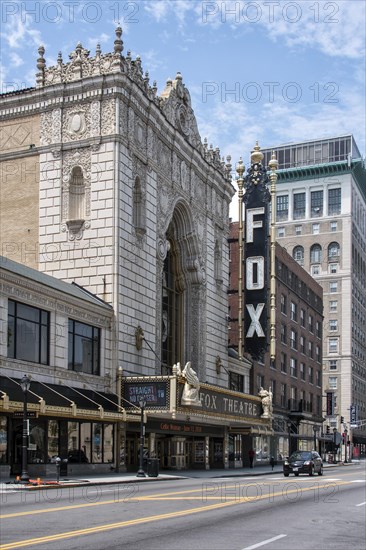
x: 335, y: 443
x: 315, y: 430
x: 25, y: 383
x: 289, y: 436
x: 141, y: 472
x: 345, y: 443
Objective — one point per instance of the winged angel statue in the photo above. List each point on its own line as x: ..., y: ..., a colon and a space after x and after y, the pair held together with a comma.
x: 190, y: 395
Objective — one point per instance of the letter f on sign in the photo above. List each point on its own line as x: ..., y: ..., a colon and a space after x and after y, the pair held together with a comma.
x: 255, y: 325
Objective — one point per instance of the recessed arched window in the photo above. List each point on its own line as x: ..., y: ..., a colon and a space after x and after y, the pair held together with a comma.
x: 333, y: 251
x: 172, y: 308
x: 77, y: 195
x: 137, y: 208
x: 298, y: 254
x: 315, y: 254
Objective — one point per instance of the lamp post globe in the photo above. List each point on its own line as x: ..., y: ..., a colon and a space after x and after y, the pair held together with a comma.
x: 25, y: 384
x: 141, y: 473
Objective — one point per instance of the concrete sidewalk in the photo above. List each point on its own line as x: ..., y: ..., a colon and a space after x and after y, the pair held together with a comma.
x: 129, y: 477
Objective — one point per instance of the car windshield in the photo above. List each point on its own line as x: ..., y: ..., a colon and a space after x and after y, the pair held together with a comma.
x: 301, y: 456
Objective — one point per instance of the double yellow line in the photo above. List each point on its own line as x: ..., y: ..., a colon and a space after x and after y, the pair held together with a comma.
x: 139, y: 521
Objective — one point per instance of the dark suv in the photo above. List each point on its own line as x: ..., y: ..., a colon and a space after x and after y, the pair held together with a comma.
x: 303, y: 462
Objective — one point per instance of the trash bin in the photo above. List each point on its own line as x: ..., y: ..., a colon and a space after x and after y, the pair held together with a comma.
x: 152, y: 467
x: 63, y: 467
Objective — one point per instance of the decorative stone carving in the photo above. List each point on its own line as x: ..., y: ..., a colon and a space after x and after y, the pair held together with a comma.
x: 108, y: 125
x: 176, y: 105
x: 56, y: 126
x: 95, y: 118
x: 162, y: 248
x: 46, y: 128
x: 190, y: 395
x: 266, y: 396
x: 76, y: 123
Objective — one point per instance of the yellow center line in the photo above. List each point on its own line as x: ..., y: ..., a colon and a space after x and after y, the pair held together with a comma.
x: 148, y: 519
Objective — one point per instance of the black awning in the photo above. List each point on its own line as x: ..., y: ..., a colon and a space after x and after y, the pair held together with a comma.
x: 59, y: 395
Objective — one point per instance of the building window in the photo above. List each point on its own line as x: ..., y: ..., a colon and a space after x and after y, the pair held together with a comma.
x: 311, y: 324
x: 283, y: 304
x: 315, y: 269
x: 283, y: 334
x: 333, y: 251
x: 283, y: 395
x: 316, y: 254
x: 333, y: 226
x: 282, y: 207
x: 316, y: 228
x: 293, y: 367
x: 299, y: 205
x: 260, y: 381
x: 236, y: 381
x: 171, y: 322
x: 332, y: 382
x: 293, y: 339
x: 28, y: 333
x: 318, y: 378
x: 333, y: 286
x: 333, y: 305
x: 334, y: 201
x: 298, y: 229
x: 333, y: 324
x: 302, y: 317
x: 310, y: 349
x: 283, y: 362
x: 316, y: 202
x: 280, y: 232
x: 318, y: 354
x: 302, y: 344
x: 293, y: 311
x: 311, y: 375
x: 318, y: 329
x: 333, y: 345
x: 333, y: 364
x: 302, y: 371
x: 84, y: 348
x: 333, y: 268
x: 298, y: 254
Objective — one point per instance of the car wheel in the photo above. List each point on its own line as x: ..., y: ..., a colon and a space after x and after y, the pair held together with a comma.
x: 311, y: 471
x: 320, y: 473
x: 286, y: 475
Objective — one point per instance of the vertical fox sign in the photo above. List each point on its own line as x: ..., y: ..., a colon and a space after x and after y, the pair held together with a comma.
x: 256, y: 257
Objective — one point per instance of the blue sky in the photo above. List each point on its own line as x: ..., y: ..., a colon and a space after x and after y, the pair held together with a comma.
x: 272, y: 71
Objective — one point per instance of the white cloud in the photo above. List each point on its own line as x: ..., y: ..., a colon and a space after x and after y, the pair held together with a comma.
x: 16, y: 60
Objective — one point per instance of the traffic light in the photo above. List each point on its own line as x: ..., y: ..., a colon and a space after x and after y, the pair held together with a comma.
x: 328, y: 430
x: 342, y: 419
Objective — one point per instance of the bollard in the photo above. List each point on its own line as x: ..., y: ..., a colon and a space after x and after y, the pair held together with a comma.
x: 58, y: 468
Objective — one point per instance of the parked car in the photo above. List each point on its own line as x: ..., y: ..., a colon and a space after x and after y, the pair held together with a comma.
x: 303, y: 462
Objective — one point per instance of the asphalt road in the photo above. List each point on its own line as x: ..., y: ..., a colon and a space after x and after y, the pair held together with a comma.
x: 270, y: 512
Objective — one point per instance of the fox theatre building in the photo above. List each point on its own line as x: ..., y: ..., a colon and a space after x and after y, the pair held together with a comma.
x: 187, y: 424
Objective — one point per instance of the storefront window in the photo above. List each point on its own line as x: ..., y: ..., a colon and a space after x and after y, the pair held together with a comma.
x: 97, y: 443
x: 85, y: 441
x: 53, y: 439
x: 3, y: 439
x: 108, y: 443
x: 36, y: 445
x: 199, y: 451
